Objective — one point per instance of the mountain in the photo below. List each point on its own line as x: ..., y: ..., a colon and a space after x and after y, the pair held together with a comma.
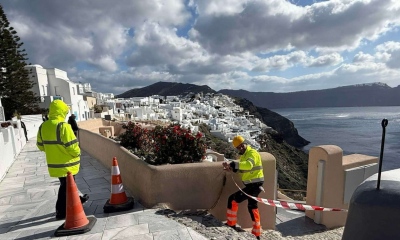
x: 166, y: 89
x: 374, y: 94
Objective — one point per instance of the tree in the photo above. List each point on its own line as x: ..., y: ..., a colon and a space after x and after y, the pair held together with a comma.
x: 15, y: 85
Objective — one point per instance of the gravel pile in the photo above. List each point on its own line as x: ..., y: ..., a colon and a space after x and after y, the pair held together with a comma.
x: 210, y: 227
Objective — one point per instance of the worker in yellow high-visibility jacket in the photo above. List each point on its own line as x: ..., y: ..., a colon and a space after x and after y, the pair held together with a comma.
x: 250, y: 168
x: 58, y: 141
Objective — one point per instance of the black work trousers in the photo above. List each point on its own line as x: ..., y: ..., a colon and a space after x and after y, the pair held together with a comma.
x: 253, y: 189
x: 61, y: 204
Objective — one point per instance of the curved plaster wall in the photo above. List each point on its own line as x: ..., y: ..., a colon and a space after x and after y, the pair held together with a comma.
x: 181, y: 186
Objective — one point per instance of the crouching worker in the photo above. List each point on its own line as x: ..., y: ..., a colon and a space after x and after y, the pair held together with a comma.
x: 58, y: 141
x: 250, y: 168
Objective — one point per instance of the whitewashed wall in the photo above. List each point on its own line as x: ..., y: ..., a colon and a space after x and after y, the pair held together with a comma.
x: 12, y: 140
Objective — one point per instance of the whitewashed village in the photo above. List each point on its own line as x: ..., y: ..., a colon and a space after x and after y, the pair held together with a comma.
x: 216, y: 110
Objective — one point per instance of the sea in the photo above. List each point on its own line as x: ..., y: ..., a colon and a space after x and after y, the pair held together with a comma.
x: 354, y: 129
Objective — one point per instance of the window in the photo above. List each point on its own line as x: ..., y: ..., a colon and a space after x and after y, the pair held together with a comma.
x: 73, y: 91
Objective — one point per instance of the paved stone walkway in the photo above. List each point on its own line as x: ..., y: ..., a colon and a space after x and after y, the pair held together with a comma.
x: 28, y: 196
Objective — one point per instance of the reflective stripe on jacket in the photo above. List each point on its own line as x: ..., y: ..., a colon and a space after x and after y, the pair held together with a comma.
x: 250, y: 166
x: 58, y: 141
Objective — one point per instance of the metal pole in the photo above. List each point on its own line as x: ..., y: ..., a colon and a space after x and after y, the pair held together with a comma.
x: 384, y: 124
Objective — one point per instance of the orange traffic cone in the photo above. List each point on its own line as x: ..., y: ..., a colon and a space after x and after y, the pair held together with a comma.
x: 76, y: 221
x: 118, y: 200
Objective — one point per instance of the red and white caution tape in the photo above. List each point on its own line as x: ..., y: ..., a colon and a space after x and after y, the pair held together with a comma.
x: 289, y: 205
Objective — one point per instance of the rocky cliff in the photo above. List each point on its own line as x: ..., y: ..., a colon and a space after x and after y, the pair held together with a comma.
x: 291, y: 162
x: 282, y: 125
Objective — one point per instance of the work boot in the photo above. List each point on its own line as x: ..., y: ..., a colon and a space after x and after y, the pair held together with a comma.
x: 84, y: 198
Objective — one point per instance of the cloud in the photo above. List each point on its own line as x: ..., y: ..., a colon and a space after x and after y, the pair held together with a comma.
x: 326, y: 60
x: 363, y: 57
x: 94, y: 32
x: 390, y: 53
x: 346, y: 74
x: 394, y: 61
x: 270, y: 25
x: 255, y: 45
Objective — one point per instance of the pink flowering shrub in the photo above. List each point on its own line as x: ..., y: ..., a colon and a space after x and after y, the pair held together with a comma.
x: 164, y: 145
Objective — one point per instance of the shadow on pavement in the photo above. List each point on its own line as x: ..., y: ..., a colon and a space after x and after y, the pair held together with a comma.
x: 299, y: 226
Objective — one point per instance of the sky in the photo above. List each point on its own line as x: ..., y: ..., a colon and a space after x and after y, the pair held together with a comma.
x: 255, y: 45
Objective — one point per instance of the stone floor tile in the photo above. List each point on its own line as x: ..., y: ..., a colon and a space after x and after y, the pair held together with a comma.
x: 132, y: 232
x: 147, y: 236
x: 10, y: 180
x: 164, y: 226
x: 43, y: 195
x: 119, y: 221
x: 97, y: 182
x: 17, y: 184
x: 4, y: 201
x: 99, y: 210
x: 90, y: 209
x: 30, y: 169
x: 146, y: 216
x: 92, y: 236
x: 183, y: 233
x: 100, y: 202
x: 82, y: 185
x: 33, y: 227
x: 24, y: 206
x: 39, y: 233
x: 15, y: 170
x: 25, y: 174
x: 85, y: 170
x: 9, y: 235
x: 34, y: 178
x: 99, y: 196
x: 34, y: 184
x: 3, y: 208
x: 169, y: 235
x: 99, y: 189
x: 21, y: 198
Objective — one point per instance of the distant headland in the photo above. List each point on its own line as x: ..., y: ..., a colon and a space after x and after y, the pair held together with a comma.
x: 360, y: 95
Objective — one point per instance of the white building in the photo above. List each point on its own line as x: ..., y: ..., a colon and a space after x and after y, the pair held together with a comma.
x: 176, y: 114
x: 52, y: 84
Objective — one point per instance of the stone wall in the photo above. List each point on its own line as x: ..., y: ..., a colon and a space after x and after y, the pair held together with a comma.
x: 180, y: 186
